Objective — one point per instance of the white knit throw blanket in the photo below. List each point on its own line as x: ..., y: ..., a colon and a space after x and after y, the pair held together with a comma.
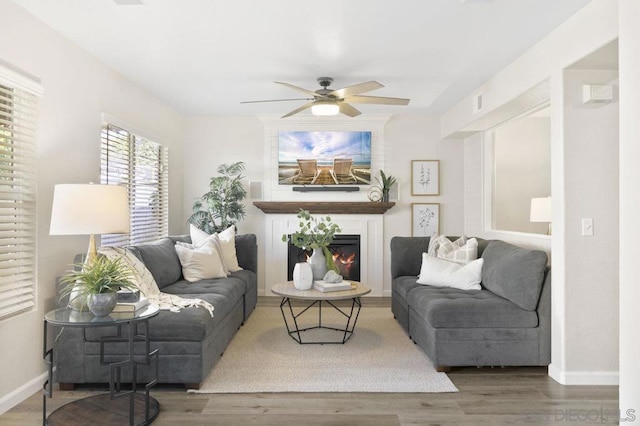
x: 148, y: 286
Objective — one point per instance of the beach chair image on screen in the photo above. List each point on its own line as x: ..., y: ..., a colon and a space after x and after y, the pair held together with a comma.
x: 308, y: 172
x: 341, y: 171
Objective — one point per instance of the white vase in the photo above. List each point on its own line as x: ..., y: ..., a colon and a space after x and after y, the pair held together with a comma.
x: 302, y: 276
x: 318, y: 264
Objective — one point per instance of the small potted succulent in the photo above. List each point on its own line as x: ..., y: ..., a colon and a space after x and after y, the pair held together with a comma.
x: 97, y: 283
x: 315, y: 234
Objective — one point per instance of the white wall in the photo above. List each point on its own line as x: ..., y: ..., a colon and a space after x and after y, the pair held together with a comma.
x: 418, y: 138
x: 582, y: 351
x: 77, y: 89
x: 591, y: 263
x: 629, y: 51
x: 593, y: 26
x: 213, y: 140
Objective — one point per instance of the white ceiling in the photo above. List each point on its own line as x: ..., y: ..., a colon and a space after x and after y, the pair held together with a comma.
x: 205, y: 56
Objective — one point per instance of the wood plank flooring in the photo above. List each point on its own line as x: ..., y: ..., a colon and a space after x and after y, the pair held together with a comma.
x: 488, y: 396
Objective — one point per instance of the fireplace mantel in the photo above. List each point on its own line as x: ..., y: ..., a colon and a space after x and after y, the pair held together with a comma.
x: 287, y: 207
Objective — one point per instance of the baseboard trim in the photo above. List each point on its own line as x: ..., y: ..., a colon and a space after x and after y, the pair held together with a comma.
x: 584, y: 378
x: 14, y: 398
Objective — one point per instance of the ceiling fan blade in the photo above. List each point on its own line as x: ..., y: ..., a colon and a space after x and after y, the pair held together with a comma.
x: 297, y: 110
x: 300, y: 89
x: 377, y: 100
x: 347, y: 109
x: 356, y: 89
x: 277, y: 100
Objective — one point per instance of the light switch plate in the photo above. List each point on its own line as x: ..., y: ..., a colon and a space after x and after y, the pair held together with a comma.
x: 587, y: 227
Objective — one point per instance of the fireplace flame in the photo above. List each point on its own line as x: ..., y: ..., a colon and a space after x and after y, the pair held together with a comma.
x: 344, y: 263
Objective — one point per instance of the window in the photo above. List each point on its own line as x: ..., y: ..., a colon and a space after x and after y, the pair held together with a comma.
x: 141, y: 165
x: 521, y: 169
x: 516, y: 161
x: 18, y: 112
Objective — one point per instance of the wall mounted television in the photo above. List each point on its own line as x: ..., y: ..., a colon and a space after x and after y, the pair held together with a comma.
x: 324, y: 158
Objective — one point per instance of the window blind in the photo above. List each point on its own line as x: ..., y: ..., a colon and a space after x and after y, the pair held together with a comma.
x: 142, y: 166
x: 18, y: 112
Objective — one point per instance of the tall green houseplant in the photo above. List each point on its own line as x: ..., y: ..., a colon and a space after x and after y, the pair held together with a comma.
x: 221, y: 206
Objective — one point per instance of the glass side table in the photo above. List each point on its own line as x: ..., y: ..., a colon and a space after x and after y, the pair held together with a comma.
x: 113, y: 407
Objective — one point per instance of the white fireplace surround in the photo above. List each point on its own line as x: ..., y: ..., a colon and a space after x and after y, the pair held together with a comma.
x: 369, y: 227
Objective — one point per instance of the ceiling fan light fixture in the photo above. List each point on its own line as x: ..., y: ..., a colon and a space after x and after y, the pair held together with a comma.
x: 325, y: 108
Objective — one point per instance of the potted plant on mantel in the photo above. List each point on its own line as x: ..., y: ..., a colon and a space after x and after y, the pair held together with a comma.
x: 314, y: 234
x: 98, y: 283
x: 221, y: 206
x: 386, y: 182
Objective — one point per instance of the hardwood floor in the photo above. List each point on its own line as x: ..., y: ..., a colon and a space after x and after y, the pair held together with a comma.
x: 489, y: 396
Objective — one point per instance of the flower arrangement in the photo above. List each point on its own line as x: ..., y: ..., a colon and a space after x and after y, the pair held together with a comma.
x: 314, y: 233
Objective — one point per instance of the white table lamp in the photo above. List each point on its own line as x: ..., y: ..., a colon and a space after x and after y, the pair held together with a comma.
x: 88, y: 209
x: 541, y: 211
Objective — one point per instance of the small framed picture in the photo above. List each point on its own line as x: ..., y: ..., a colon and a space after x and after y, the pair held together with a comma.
x: 425, y: 219
x: 425, y: 177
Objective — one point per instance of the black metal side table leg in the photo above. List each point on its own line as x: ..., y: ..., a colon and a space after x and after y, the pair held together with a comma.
x: 47, y: 387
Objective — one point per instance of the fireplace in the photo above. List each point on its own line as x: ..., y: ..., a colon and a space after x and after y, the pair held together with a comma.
x: 345, y: 249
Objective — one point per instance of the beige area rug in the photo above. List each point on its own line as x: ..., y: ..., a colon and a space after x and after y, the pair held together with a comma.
x: 379, y: 357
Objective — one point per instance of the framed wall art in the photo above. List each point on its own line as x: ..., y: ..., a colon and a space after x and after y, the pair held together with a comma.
x: 425, y: 219
x: 324, y: 158
x: 425, y: 178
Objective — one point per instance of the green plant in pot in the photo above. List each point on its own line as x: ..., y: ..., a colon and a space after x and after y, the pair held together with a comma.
x: 98, y: 282
x: 315, y: 234
x: 221, y: 206
x: 386, y: 182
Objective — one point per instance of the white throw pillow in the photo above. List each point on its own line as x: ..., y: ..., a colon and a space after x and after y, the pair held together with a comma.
x: 226, y: 244
x: 440, y: 273
x: 228, y: 249
x: 438, y: 241
x: 460, y: 251
x: 200, y: 242
x: 200, y: 262
x: 198, y: 236
x: 434, y: 243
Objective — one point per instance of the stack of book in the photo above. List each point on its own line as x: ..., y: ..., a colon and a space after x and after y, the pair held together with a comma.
x: 326, y: 287
x: 126, y: 307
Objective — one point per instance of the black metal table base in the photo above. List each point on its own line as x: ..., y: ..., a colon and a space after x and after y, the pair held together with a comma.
x: 132, y: 406
x: 113, y: 411
x: 293, y: 329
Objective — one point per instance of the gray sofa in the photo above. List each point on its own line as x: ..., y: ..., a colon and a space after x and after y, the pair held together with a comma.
x: 190, y: 342
x: 506, y: 323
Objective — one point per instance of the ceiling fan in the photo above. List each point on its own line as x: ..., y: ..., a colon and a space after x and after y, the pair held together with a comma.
x: 327, y: 101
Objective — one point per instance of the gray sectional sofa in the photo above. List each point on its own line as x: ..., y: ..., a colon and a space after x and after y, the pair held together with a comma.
x: 506, y: 323
x: 190, y: 342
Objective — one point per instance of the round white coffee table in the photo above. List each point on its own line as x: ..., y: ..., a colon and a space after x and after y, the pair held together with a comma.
x: 318, y: 298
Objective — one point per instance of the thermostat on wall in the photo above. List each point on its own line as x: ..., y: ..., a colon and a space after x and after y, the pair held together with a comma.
x: 595, y: 93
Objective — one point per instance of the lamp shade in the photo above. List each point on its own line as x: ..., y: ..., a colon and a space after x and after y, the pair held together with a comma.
x: 540, y: 210
x: 87, y: 209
